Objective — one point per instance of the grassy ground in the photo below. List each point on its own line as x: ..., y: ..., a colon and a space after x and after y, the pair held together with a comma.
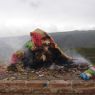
x: 89, y: 53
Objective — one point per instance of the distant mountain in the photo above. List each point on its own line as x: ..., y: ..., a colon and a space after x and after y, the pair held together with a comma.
x: 10, y: 44
x: 5, y: 50
x: 75, y: 39
x: 71, y: 39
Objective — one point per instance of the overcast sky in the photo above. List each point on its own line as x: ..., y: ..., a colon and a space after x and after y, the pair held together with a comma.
x: 19, y: 17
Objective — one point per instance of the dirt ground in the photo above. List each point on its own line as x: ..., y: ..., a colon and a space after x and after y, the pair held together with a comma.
x: 45, y: 82
x: 42, y: 74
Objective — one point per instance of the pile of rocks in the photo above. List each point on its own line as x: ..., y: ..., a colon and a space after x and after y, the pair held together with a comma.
x: 42, y: 59
x: 40, y: 51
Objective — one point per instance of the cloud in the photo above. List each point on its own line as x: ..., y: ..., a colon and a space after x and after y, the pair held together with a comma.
x: 35, y: 4
x: 51, y: 15
x: 32, y: 3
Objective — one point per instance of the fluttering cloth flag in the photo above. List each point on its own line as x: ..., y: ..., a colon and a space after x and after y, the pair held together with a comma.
x: 88, y: 74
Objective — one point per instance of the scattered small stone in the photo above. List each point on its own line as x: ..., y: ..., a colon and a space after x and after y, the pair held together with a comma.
x: 41, y: 75
x: 44, y: 73
x: 5, y: 79
x: 12, y: 78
